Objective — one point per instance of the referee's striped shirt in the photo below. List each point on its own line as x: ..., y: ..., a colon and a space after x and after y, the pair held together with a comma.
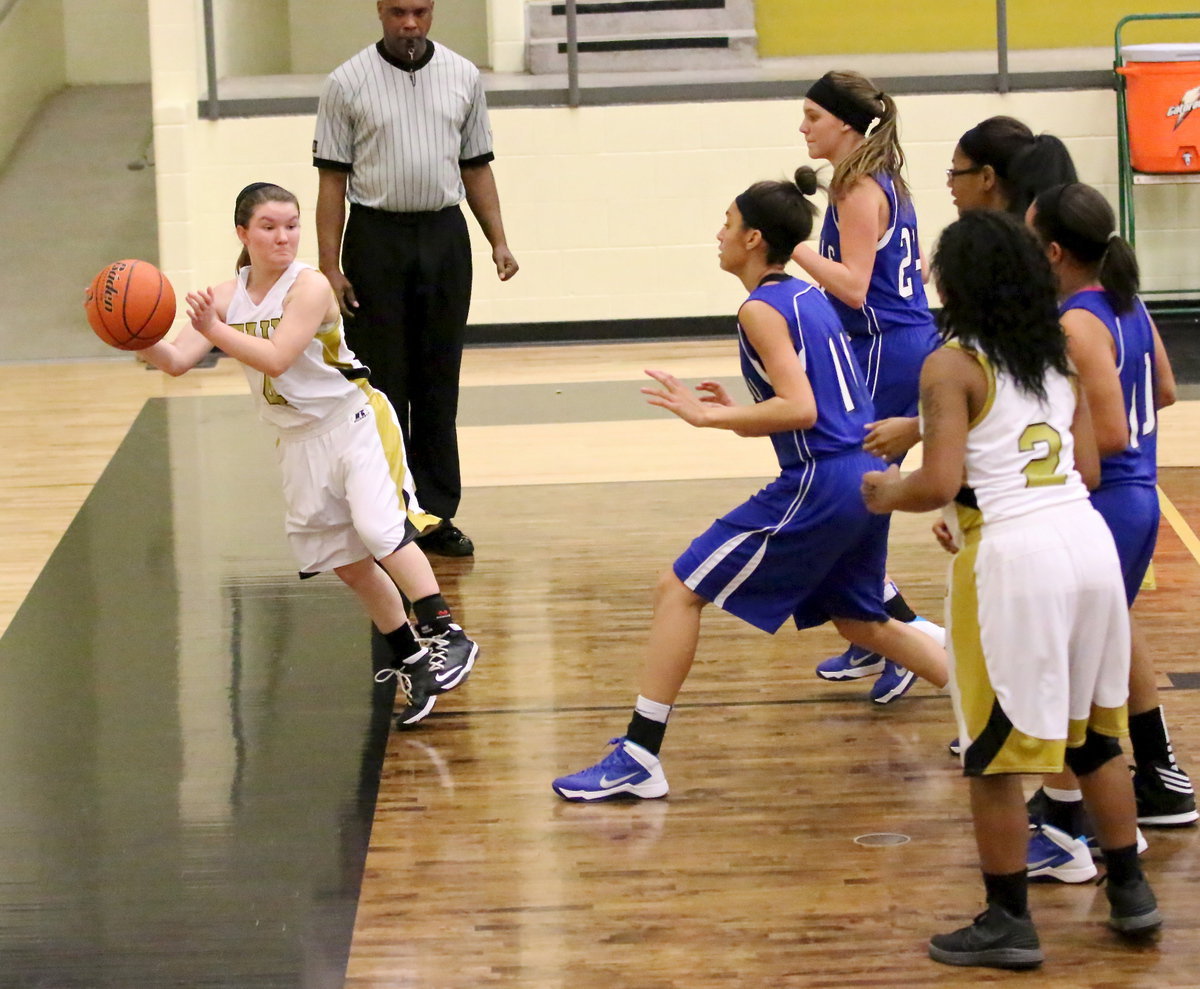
x: 403, y: 135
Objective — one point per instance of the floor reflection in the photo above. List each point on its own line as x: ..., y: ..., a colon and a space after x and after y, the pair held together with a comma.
x: 191, y: 754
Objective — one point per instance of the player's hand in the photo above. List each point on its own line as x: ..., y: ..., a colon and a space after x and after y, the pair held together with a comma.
x: 717, y: 395
x: 892, y: 438
x: 201, y: 312
x: 506, y: 264
x: 877, y: 488
x: 945, y: 538
x: 343, y: 291
x: 675, y: 396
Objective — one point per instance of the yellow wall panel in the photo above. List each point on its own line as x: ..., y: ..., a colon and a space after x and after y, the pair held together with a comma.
x: 787, y: 28
x: 817, y: 27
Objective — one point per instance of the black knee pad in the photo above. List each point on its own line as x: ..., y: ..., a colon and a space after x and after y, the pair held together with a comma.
x: 1095, y: 751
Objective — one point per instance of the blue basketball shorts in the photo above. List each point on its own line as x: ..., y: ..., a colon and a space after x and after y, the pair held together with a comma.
x: 1131, y: 512
x: 891, y: 364
x: 803, y: 547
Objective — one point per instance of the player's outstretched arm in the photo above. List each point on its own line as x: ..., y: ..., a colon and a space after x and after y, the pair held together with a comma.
x: 309, y: 304
x: 792, y: 407
x: 180, y: 355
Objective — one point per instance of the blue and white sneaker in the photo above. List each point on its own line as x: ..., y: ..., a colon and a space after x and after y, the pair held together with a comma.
x: 1097, y: 853
x: 855, y: 662
x: 628, y: 768
x: 894, y: 681
x: 892, y: 684
x: 1054, y: 854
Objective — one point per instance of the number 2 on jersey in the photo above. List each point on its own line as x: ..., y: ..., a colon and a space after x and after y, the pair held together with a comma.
x: 1044, y: 441
x: 904, y: 282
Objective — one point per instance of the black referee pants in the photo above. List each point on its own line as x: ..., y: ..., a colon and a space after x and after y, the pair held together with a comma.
x: 411, y: 273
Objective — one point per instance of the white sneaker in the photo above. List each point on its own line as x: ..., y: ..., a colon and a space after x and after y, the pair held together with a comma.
x: 1054, y: 854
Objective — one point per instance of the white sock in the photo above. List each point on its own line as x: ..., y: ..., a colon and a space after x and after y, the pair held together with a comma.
x: 652, y: 710
x: 1063, y: 796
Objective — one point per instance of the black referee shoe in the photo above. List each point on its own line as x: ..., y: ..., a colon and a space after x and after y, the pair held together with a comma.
x: 446, y: 540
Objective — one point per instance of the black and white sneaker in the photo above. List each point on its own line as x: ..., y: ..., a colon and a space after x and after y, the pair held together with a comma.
x: 996, y: 939
x: 1165, y: 797
x: 415, y: 683
x: 451, y: 656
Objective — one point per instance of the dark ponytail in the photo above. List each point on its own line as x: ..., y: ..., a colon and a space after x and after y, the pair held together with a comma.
x: 1024, y: 164
x: 781, y: 211
x: 1080, y: 220
x: 1043, y: 163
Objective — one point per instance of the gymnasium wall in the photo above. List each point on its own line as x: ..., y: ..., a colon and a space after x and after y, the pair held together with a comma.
x: 816, y: 27
x: 106, y: 43
x: 32, y: 65
x: 612, y: 211
x: 310, y: 37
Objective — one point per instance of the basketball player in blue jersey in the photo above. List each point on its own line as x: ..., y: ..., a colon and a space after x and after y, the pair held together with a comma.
x: 1038, y: 634
x: 351, y: 507
x: 998, y: 164
x: 1127, y: 376
x: 1001, y: 164
x: 869, y: 265
x: 804, y: 547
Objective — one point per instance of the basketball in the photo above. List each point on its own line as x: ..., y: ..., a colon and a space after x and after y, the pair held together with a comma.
x: 130, y: 304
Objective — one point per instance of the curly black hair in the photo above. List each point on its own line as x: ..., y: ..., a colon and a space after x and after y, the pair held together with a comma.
x: 998, y: 296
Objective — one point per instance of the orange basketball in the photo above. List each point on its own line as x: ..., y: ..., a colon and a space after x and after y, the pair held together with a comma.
x: 130, y: 304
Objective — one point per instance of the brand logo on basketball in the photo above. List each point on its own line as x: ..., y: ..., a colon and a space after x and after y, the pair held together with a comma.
x: 110, y: 286
x: 1188, y: 102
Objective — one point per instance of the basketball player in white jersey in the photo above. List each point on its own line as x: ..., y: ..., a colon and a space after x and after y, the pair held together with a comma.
x: 1038, y: 631
x: 351, y: 507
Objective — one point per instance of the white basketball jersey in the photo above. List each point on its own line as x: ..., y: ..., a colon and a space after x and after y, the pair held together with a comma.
x: 324, y: 380
x: 1020, y: 450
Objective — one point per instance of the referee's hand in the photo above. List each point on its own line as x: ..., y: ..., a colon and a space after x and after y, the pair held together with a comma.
x: 506, y: 264
x: 343, y: 291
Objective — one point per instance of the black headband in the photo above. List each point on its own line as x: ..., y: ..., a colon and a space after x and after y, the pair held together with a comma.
x: 252, y: 187
x: 830, y: 96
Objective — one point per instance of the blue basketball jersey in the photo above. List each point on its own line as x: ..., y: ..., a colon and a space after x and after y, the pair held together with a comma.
x: 843, y: 403
x: 1134, y: 339
x: 896, y: 294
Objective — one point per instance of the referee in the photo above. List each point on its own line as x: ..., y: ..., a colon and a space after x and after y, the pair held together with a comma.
x: 403, y: 134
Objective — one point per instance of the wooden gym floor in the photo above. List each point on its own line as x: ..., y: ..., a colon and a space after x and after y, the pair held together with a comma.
x: 200, y: 792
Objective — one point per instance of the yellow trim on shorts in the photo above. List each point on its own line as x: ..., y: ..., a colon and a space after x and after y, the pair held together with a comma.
x: 393, y: 448
x: 1018, y: 753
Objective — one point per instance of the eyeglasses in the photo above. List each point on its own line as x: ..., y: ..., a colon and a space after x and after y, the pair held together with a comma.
x: 953, y: 173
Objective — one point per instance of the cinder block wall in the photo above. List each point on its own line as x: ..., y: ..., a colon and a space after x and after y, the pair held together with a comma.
x: 612, y: 211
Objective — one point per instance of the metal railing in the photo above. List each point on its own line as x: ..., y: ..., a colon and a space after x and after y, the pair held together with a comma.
x: 210, y: 106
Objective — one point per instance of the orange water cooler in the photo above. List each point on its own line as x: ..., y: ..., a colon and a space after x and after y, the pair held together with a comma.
x: 1162, y: 86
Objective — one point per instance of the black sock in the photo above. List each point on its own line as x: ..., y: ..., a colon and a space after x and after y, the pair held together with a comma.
x: 1010, y: 891
x: 898, y: 608
x: 1069, y: 816
x: 433, y: 615
x: 403, y: 642
x: 1148, y: 737
x: 1122, y: 864
x: 646, y: 732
